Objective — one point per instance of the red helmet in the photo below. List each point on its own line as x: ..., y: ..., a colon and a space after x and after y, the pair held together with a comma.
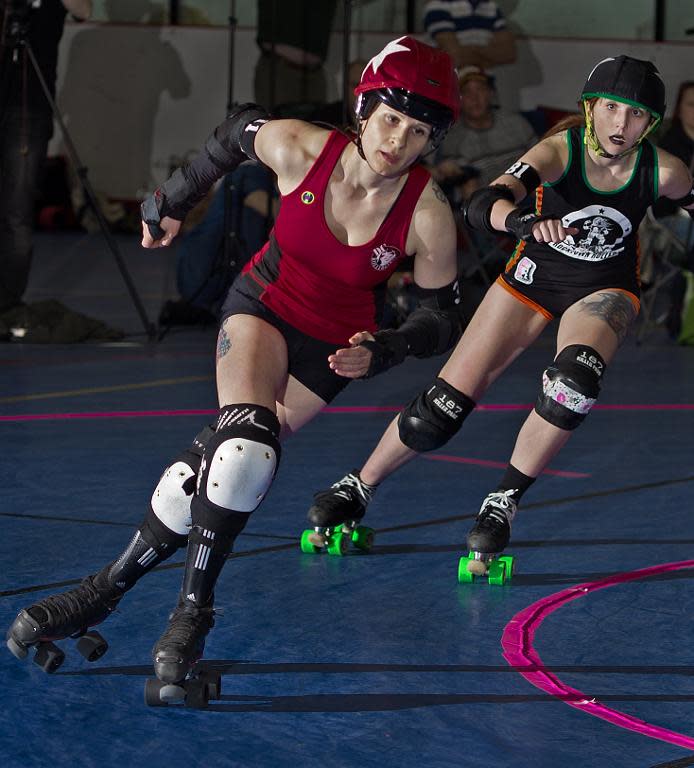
x: 414, y: 79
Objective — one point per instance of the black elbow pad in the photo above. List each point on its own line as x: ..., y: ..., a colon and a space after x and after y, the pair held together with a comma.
x: 478, y: 209
x: 235, y: 137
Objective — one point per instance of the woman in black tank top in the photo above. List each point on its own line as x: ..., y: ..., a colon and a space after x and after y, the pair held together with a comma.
x: 577, y: 259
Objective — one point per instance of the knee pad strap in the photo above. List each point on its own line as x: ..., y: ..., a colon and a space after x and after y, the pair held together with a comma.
x: 433, y: 417
x: 570, y: 386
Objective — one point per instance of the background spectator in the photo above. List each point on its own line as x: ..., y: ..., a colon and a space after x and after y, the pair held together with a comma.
x: 678, y: 139
x: 472, y: 32
x: 485, y: 140
x: 293, y: 39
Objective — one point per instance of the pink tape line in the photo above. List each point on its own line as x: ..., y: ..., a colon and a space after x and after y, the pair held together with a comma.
x: 517, y: 642
x: 328, y: 409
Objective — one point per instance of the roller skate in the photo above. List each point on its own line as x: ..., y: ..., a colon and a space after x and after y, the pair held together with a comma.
x: 336, y: 514
x: 488, y: 538
x: 175, y: 657
x: 67, y: 614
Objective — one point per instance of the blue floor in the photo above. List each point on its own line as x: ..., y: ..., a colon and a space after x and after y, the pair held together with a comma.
x: 366, y: 660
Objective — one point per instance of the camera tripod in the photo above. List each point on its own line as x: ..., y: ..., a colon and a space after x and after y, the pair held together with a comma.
x: 20, y: 43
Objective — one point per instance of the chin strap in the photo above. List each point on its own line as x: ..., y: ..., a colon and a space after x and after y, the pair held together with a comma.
x: 590, y: 138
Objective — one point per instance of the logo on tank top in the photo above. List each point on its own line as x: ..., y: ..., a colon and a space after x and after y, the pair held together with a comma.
x: 383, y: 256
x: 601, y: 232
x: 307, y: 197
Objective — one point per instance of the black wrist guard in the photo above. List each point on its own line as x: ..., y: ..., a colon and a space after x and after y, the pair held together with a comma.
x: 520, y: 222
x: 390, y: 348
x: 432, y: 328
x: 150, y: 212
x: 477, y: 210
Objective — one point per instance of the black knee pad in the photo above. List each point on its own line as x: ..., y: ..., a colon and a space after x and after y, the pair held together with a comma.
x: 570, y: 386
x: 433, y: 417
x: 238, y: 466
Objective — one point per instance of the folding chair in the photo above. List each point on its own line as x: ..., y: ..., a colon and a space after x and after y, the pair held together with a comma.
x: 662, y: 256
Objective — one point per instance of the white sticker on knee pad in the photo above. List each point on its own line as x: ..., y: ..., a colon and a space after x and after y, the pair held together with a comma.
x: 240, y: 474
x: 558, y: 391
x: 170, y: 503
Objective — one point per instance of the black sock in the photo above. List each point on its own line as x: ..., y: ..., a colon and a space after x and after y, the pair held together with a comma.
x: 514, y: 480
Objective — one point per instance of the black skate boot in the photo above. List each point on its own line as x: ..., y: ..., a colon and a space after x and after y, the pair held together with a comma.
x: 67, y: 614
x: 335, y: 515
x: 488, y: 538
x: 176, y: 654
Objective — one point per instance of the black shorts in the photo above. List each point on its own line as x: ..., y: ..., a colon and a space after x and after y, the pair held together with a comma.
x: 550, y: 286
x: 308, y: 357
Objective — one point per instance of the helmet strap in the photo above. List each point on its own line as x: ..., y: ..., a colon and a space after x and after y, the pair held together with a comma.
x: 590, y: 137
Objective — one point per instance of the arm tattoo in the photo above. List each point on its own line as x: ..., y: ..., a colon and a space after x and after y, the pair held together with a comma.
x: 223, y: 343
x: 438, y: 192
x: 615, y: 309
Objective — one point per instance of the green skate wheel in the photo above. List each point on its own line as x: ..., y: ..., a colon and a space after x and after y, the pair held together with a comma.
x: 464, y: 576
x: 363, y: 538
x: 308, y: 546
x: 338, y: 544
x: 509, y: 562
x: 497, y: 572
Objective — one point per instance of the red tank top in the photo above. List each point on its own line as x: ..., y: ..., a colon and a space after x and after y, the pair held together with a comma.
x: 322, y: 287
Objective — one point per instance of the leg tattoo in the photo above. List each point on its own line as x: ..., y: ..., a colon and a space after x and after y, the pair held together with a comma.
x: 615, y: 309
x: 223, y: 343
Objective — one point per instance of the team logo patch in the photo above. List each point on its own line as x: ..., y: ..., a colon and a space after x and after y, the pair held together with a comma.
x: 525, y: 270
x: 601, y: 233
x: 383, y: 256
x: 307, y: 197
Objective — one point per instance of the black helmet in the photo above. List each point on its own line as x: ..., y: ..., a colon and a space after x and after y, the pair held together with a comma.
x: 632, y: 81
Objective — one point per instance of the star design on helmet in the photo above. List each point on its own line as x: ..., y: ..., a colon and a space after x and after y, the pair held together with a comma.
x: 392, y: 47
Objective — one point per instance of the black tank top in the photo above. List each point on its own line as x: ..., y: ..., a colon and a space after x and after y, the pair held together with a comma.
x: 605, y: 250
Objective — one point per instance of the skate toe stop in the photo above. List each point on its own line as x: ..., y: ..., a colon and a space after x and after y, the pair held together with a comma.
x: 476, y: 567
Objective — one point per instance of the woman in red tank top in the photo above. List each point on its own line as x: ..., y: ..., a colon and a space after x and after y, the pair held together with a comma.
x: 308, y: 306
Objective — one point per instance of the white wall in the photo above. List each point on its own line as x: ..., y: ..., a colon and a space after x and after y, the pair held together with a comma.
x: 138, y: 99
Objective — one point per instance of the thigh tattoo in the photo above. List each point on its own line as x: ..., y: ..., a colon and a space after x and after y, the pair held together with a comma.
x: 615, y: 309
x: 223, y: 343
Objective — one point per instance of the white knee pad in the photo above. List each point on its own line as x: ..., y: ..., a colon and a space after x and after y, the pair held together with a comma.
x: 240, y: 474
x: 170, y: 502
